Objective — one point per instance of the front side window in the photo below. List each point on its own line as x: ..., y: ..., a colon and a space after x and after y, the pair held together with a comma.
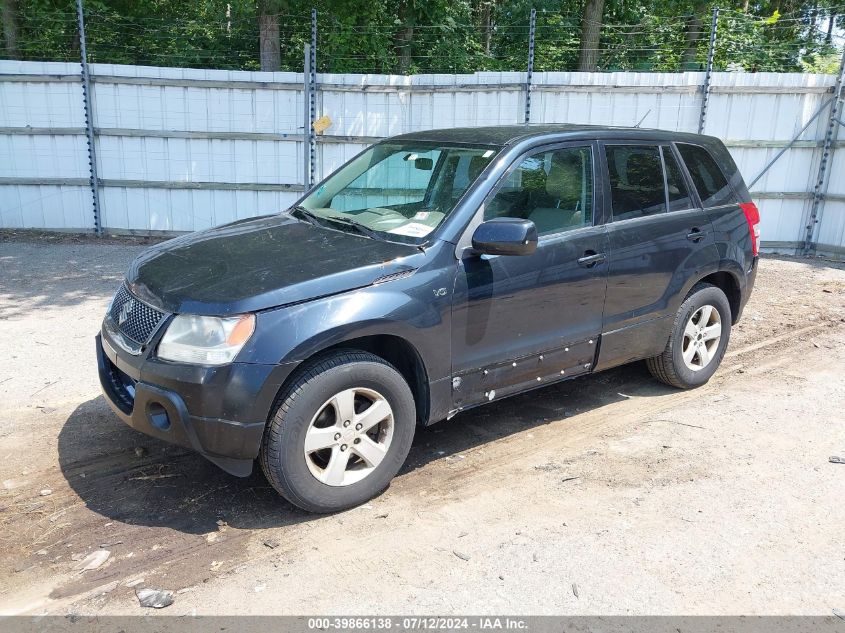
x: 636, y: 181
x: 553, y: 189
x: 712, y: 186
x: 398, y: 191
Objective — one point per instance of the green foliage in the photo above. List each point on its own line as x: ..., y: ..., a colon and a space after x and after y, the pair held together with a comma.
x: 450, y: 36
x: 826, y: 63
x: 51, y: 33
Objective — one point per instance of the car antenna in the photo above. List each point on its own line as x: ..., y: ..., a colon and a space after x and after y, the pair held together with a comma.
x: 643, y: 119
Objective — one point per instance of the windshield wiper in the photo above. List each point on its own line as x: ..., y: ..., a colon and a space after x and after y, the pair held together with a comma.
x: 310, y: 216
x: 361, y: 228
x: 322, y: 220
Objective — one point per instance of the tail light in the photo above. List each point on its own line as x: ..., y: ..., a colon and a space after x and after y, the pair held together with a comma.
x: 752, y: 216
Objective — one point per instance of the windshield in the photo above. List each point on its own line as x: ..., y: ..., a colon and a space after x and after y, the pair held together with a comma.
x: 398, y: 191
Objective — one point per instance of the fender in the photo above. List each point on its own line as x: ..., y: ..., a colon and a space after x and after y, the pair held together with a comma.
x: 734, y: 270
x: 678, y: 298
x: 411, y: 310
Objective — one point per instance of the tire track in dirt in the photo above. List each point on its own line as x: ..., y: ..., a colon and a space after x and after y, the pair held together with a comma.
x: 168, y: 524
x: 484, y: 448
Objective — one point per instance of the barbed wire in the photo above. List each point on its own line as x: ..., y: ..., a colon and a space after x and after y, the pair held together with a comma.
x: 784, y: 42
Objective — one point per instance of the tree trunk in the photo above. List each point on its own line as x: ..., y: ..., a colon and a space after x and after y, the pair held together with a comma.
x: 487, y: 25
x: 404, y: 37
x: 590, y: 34
x: 693, y: 36
x: 10, y: 28
x: 828, y: 39
x: 268, y: 35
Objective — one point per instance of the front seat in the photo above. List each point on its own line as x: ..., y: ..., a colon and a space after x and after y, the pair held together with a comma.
x: 563, y: 188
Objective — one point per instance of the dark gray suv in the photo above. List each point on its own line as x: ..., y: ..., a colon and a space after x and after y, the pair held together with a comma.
x: 433, y: 272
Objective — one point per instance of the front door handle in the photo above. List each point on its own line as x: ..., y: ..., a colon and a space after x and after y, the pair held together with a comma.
x: 695, y: 235
x: 591, y: 258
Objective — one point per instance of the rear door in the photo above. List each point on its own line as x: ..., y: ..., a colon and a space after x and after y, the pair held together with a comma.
x: 659, y: 238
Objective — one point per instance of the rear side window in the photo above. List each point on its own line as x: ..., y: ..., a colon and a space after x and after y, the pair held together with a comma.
x: 676, y: 189
x: 712, y: 186
x: 636, y: 181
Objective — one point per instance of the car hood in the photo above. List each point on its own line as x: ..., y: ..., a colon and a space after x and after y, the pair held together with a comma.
x: 261, y: 263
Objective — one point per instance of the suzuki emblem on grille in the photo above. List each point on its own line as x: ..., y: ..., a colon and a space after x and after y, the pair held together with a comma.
x: 125, y: 311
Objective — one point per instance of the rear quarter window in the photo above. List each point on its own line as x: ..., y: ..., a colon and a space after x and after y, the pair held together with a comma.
x: 707, y: 176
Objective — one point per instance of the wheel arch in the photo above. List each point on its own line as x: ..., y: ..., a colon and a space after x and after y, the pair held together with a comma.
x: 725, y: 279
x: 402, y: 354
x: 728, y: 283
x: 394, y: 349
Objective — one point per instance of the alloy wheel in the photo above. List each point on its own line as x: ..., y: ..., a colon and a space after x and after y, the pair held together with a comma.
x: 701, y: 337
x: 349, y: 436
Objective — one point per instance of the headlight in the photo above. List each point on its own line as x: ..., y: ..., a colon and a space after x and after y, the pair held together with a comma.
x: 204, y: 340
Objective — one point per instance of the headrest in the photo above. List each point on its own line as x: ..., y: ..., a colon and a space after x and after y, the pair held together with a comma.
x: 643, y: 170
x: 564, y: 179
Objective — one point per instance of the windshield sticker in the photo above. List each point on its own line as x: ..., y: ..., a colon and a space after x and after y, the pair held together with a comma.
x: 422, y: 215
x: 412, y: 229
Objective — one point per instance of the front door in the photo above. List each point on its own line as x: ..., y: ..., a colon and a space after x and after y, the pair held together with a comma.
x: 524, y: 321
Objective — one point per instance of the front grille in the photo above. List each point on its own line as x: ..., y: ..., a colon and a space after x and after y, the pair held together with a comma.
x: 133, y: 318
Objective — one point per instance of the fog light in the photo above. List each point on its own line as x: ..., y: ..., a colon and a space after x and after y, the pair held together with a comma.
x: 158, y: 417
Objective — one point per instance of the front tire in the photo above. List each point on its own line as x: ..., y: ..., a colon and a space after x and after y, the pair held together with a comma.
x: 340, y: 432
x: 699, y: 338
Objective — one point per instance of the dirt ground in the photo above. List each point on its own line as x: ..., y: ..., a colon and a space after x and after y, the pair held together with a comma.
x: 610, y: 494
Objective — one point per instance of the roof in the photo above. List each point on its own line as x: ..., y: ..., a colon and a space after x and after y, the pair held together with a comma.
x: 501, y: 135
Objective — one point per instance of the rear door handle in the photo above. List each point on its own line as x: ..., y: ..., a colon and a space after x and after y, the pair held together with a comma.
x: 695, y: 235
x: 591, y: 258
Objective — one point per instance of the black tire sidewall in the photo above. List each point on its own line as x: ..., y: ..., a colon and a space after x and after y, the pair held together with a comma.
x: 300, y: 486
x: 706, y: 296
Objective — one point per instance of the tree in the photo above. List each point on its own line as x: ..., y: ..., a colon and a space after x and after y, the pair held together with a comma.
x: 590, y: 35
x: 270, y: 51
x: 429, y: 36
x: 405, y: 19
x: 694, y: 34
x: 485, y: 9
x: 10, y: 28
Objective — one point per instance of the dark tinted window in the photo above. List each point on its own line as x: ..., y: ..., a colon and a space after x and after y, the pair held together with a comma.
x: 552, y: 189
x: 712, y: 186
x: 676, y: 187
x: 636, y: 181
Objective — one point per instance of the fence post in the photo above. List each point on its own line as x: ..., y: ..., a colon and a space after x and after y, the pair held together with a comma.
x: 306, y: 117
x: 312, y: 99
x: 89, y: 120
x: 711, y: 53
x: 830, y: 136
x: 532, y: 27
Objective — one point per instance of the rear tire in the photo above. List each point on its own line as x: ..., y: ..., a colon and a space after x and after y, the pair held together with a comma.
x: 340, y: 432
x: 699, y: 338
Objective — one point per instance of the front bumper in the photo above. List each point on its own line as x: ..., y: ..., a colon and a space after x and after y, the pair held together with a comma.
x: 220, y: 412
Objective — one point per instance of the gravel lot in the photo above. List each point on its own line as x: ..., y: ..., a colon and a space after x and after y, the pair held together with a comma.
x: 610, y: 494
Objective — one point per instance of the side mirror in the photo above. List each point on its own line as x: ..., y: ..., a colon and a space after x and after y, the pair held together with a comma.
x: 505, y: 236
